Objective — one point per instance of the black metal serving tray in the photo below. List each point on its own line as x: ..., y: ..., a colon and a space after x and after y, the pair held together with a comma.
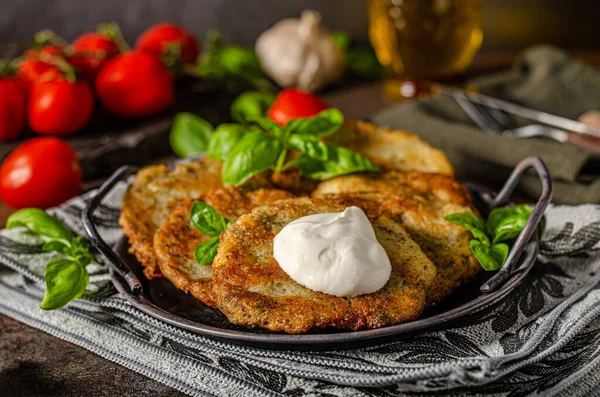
x: 161, y: 300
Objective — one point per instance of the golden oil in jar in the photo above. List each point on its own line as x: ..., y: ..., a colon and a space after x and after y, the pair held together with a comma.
x: 425, y: 38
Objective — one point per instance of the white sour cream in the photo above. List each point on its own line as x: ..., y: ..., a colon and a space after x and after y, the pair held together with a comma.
x: 336, y: 253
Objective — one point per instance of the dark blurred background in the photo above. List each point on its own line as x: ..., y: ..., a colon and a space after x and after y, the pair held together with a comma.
x: 508, y: 24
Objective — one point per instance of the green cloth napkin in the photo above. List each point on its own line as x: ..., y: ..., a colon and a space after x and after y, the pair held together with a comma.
x: 544, y: 78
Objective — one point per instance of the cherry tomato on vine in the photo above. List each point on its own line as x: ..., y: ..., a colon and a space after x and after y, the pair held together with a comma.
x: 156, y: 40
x: 59, y: 107
x: 42, y: 173
x: 91, y: 52
x: 292, y: 103
x: 134, y: 85
x: 38, y: 66
x: 13, y: 98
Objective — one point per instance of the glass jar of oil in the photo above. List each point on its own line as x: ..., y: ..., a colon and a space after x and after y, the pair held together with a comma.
x: 425, y: 38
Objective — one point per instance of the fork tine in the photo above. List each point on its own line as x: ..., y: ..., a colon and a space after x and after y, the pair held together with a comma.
x: 499, y: 115
x: 475, y: 112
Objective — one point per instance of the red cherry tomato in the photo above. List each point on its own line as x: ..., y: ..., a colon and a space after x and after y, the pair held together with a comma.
x: 12, y: 108
x: 31, y: 71
x: 292, y: 103
x: 135, y: 84
x: 95, y: 42
x: 91, y: 52
x: 59, y: 107
x: 45, y: 51
x: 36, y: 65
x: 41, y: 173
x: 155, y: 40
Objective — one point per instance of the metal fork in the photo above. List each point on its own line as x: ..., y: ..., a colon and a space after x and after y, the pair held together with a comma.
x: 496, y: 121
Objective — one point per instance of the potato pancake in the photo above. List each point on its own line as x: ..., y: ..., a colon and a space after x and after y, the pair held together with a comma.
x: 251, y: 288
x: 176, y: 240
x: 153, y: 193
x: 388, y: 149
x: 419, y: 202
x: 391, y: 149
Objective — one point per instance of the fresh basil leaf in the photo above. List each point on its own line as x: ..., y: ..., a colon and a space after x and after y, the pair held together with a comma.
x: 189, y: 134
x: 65, y: 281
x: 205, y: 253
x: 490, y: 257
x: 498, y: 214
x: 39, y: 222
x: 472, y: 223
x: 57, y: 245
x: 209, y: 65
x: 326, y: 122
x: 80, y: 251
x: 270, y: 126
x: 509, y: 228
x: 223, y: 139
x: 340, y: 161
x: 342, y: 39
x: 207, y: 220
x: 364, y: 64
x: 251, y: 104
x: 231, y: 63
x: 309, y: 145
x: 239, y: 61
x: 253, y: 154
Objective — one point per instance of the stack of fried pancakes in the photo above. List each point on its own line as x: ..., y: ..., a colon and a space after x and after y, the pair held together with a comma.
x: 406, y: 203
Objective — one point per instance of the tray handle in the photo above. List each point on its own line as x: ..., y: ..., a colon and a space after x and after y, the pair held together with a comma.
x: 97, y: 240
x: 538, y: 212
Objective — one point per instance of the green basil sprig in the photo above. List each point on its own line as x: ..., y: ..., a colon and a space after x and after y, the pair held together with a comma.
x: 325, y: 123
x: 251, y: 104
x: 189, y: 134
x: 223, y: 139
x: 66, y: 278
x: 208, y: 221
x: 340, y: 161
x: 259, y: 144
x: 489, y: 244
x: 360, y: 63
x: 225, y: 64
x: 259, y: 151
x: 254, y: 153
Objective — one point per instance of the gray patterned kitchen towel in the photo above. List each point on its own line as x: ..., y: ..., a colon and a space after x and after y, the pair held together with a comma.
x: 542, y: 339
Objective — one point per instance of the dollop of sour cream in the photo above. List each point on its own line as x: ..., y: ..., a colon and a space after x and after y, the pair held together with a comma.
x: 336, y: 253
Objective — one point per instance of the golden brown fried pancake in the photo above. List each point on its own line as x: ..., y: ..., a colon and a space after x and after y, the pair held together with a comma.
x: 391, y: 149
x: 152, y: 194
x: 443, y: 188
x: 176, y: 240
x: 419, y: 202
x: 251, y: 288
x: 388, y: 149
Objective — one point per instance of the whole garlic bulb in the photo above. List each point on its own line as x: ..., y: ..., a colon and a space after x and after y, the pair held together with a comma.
x: 300, y: 53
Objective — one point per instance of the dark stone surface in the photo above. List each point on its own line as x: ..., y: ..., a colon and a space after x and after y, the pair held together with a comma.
x: 33, y: 363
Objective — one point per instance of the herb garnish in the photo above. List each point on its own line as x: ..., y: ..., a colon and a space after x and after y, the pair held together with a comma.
x: 489, y: 243
x: 360, y: 63
x: 189, y: 134
x: 261, y: 144
x: 226, y: 64
x: 66, y: 278
x: 208, y: 221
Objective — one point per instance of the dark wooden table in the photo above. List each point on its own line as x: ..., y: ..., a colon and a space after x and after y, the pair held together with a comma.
x: 33, y: 363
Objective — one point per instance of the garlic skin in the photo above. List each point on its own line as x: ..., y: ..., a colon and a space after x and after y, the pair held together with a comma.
x: 300, y: 53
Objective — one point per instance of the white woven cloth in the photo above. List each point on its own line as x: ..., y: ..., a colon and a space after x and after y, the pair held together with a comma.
x: 542, y: 339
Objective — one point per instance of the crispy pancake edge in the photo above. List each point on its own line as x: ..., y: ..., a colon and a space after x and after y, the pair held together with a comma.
x: 176, y: 240
x: 251, y: 289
